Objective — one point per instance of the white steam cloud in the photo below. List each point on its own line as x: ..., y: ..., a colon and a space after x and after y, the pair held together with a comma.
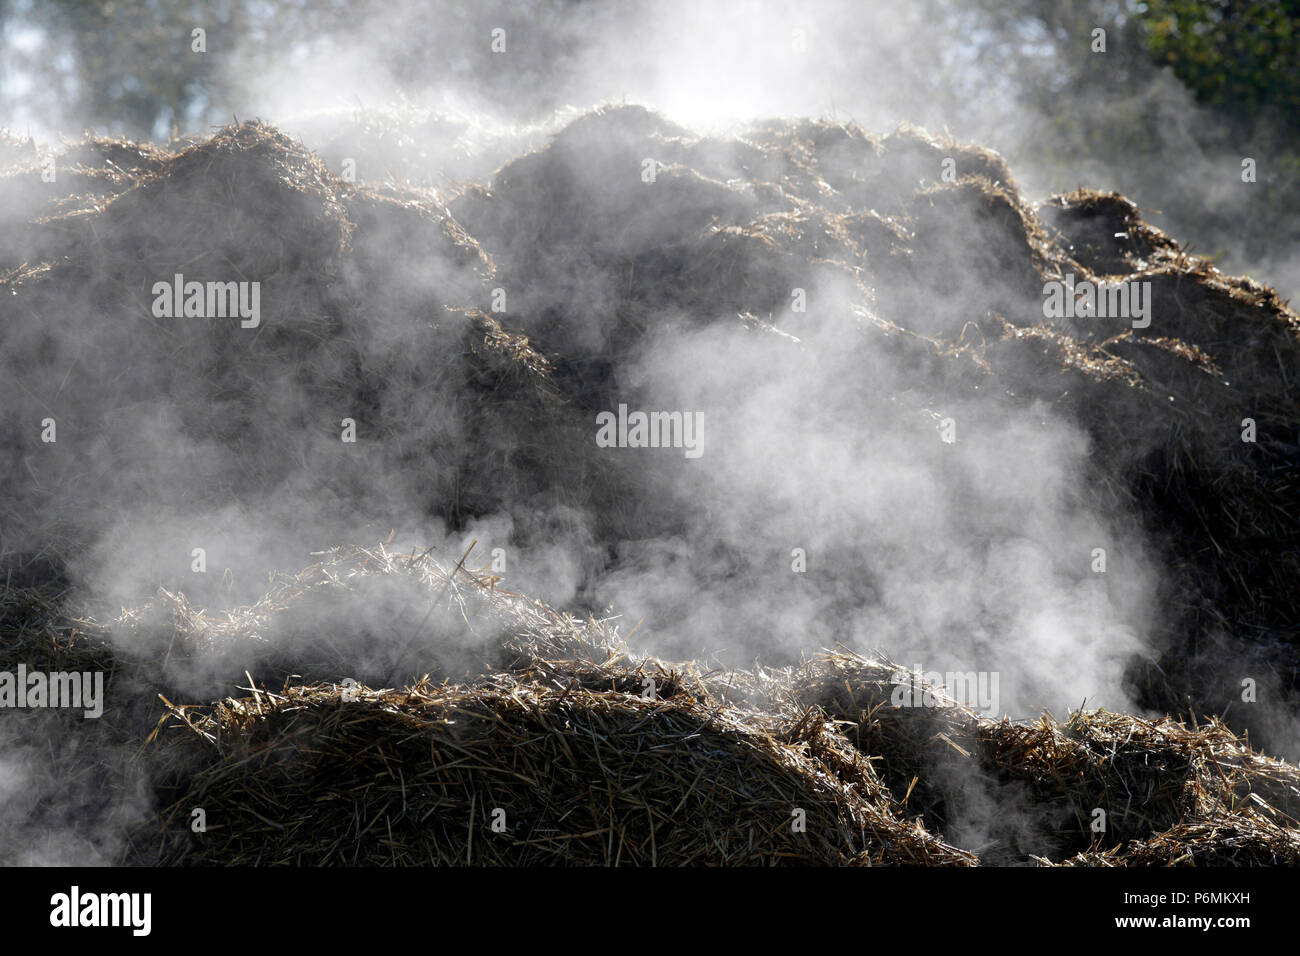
x: 969, y: 555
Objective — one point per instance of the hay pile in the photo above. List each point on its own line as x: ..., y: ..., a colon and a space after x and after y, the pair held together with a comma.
x: 552, y: 720
x: 381, y: 296
x: 773, y: 209
x: 1034, y: 789
x: 569, y: 775
x: 591, y: 766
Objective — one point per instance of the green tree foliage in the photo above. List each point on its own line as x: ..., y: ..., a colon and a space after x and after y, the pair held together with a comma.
x: 1238, y: 57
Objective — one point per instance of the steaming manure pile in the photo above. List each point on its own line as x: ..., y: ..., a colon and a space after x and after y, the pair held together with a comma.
x: 1096, y: 789
x: 576, y: 753
x: 236, y: 302
x: 553, y: 744
x: 515, y: 773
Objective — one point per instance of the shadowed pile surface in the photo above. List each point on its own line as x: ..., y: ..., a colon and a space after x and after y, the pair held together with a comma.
x: 762, y: 212
x: 597, y: 756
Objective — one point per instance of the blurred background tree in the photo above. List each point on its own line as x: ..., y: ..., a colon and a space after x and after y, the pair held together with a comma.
x: 1238, y: 57
x: 127, y: 67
